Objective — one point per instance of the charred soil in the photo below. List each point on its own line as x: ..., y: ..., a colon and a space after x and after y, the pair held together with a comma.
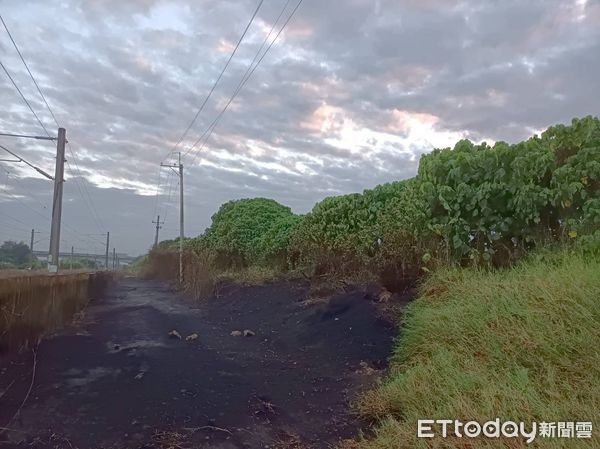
x: 117, y: 379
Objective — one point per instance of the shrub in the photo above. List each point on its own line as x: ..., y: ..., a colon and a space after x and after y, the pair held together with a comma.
x: 248, y: 231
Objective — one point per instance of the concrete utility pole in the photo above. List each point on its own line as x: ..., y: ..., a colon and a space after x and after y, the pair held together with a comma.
x: 72, y: 256
x: 31, y: 249
x: 181, y: 220
x: 107, y: 246
x: 158, y: 226
x: 57, y: 201
x: 114, y: 258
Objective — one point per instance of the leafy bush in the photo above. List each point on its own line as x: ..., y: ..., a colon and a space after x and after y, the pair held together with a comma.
x: 248, y: 231
x: 497, y: 202
x: 473, y: 204
x: 15, y: 255
x: 341, y: 233
x: 77, y: 263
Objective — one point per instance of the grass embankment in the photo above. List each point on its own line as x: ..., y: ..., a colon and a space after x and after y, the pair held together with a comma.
x: 519, y: 344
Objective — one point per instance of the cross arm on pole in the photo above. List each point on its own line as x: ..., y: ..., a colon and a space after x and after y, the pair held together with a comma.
x: 27, y: 136
x: 20, y: 159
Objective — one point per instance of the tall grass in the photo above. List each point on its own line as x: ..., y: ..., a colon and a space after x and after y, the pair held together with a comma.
x: 519, y: 344
x: 33, y: 304
x: 202, y: 277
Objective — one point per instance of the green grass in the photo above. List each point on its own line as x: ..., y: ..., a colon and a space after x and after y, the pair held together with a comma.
x: 517, y: 344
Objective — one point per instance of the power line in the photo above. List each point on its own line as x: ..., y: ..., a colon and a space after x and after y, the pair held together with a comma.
x: 11, y: 228
x: 243, y: 76
x: 28, y: 71
x: 24, y: 99
x: 208, y: 132
x: 88, y: 201
x: 46, y: 217
x: 20, y: 159
x: 23, y: 203
x: 10, y: 225
x: 28, y: 136
x: 218, y: 79
x: 31, y: 195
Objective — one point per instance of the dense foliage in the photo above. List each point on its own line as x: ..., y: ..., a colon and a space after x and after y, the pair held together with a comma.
x: 78, y: 263
x: 470, y: 204
x: 14, y: 255
x: 507, y: 198
x: 342, y: 231
x: 248, y: 231
x: 473, y: 204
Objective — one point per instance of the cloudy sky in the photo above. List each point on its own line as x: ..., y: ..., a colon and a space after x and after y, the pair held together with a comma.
x: 350, y: 96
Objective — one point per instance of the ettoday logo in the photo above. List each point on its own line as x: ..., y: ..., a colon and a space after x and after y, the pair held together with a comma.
x: 430, y: 428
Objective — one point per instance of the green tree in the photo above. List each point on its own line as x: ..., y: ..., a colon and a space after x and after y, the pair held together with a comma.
x: 249, y: 231
x: 14, y: 253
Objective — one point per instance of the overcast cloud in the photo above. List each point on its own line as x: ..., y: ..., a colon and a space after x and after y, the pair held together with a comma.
x: 349, y: 97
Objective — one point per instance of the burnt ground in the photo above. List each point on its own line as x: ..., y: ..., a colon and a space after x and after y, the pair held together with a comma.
x: 116, y: 380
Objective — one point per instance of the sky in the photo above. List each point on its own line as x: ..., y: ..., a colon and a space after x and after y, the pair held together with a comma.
x: 349, y: 96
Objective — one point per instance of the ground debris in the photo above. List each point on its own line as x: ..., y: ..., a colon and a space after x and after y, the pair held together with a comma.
x: 192, y: 337
x: 174, y: 334
x: 236, y: 333
x: 365, y: 369
x: 249, y: 333
x: 384, y: 295
x: 288, y: 440
x: 261, y: 406
x: 163, y: 439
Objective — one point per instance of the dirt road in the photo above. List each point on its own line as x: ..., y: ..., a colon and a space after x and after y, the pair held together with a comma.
x: 116, y: 379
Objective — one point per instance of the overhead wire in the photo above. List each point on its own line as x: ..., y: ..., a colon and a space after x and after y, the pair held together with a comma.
x: 27, y: 67
x: 46, y: 217
x: 212, y: 89
x: 249, y: 72
x: 201, y: 108
x: 88, y: 201
x: 32, y: 196
x: 11, y: 225
x: 23, y: 97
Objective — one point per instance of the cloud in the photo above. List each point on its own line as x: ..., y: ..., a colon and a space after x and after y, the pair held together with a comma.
x: 348, y: 98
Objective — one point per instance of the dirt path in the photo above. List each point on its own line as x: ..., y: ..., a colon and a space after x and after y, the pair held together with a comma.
x: 117, y: 380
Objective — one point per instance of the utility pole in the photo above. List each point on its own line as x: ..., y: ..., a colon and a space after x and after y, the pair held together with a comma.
x: 114, y: 258
x: 57, y: 201
x: 181, y: 221
x: 31, y: 249
x: 72, y: 256
x: 107, y: 245
x: 158, y: 226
